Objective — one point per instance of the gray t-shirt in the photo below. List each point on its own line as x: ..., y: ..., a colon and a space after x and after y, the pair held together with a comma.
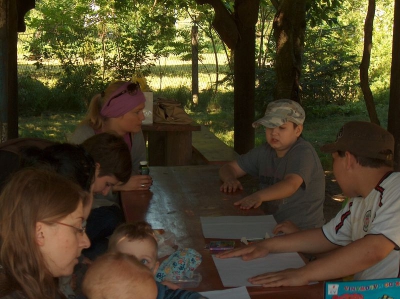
x: 138, y: 153
x: 305, y: 207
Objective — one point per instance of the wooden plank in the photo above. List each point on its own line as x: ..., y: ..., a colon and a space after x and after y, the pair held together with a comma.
x: 212, y: 149
x: 170, y: 127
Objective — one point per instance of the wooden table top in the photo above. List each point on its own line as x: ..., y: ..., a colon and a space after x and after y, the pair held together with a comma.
x: 179, y: 196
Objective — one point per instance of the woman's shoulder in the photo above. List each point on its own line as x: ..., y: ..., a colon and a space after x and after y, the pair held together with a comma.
x: 14, y: 295
x: 7, y: 291
x: 81, y: 133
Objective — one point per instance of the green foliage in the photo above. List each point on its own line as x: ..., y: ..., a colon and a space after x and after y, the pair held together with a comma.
x: 330, y: 73
x: 323, y: 11
x: 75, y: 87
x: 33, y: 96
x: 124, y: 39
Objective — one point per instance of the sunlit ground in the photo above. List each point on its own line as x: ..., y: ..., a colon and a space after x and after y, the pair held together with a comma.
x: 54, y: 127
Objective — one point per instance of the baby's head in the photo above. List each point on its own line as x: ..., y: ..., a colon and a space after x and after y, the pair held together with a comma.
x: 136, y: 239
x: 118, y: 275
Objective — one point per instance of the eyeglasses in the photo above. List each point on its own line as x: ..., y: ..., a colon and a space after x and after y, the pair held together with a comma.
x: 130, y: 88
x: 82, y: 230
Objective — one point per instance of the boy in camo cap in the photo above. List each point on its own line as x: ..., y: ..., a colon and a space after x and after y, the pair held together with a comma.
x: 291, y: 178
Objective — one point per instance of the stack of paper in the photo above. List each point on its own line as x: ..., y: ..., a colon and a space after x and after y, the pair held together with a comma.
x: 235, y: 272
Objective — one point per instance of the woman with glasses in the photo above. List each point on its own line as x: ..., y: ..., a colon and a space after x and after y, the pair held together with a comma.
x: 41, y: 233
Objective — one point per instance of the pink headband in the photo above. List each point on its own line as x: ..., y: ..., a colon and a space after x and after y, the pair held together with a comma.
x: 123, y: 100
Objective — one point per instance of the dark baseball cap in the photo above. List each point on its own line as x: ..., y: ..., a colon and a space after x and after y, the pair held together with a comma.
x: 363, y: 139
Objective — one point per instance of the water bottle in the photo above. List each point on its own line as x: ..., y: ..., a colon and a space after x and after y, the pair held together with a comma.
x: 144, y: 168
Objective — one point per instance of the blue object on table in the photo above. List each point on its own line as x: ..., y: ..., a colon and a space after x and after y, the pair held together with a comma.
x: 180, y: 264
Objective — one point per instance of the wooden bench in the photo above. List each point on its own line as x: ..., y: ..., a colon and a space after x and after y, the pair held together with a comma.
x: 210, y: 148
x: 169, y: 144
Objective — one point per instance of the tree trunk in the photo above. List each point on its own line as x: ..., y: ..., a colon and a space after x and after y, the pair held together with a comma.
x: 195, y: 65
x: 364, y: 66
x: 289, y: 32
x: 246, y: 15
x: 394, y: 102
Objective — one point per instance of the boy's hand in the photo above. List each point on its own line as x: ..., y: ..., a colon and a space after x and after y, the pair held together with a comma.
x: 288, y: 277
x: 249, y: 202
x: 231, y: 186
x: 285, y: 227
x: 247, y: 253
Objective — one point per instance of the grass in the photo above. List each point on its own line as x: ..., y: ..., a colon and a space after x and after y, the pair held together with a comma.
x: 55, y: 127
x: 219, y: 119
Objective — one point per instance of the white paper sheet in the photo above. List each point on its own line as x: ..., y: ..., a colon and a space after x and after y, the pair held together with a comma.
x: 234, y: 272
x: 236, y: 293
x: 236, y: 227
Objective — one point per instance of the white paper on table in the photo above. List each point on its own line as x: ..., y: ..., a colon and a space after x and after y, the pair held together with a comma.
x: 234, y: 272
x: 236, y: 293
x: 236, y: 227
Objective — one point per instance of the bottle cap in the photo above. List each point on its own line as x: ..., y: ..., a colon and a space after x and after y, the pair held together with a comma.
x: 143, y: 162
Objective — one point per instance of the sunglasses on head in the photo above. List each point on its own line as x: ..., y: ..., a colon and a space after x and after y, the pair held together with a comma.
x: 131, y: 88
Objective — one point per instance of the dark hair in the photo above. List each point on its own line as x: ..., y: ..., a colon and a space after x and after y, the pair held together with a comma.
x: 112, y: 153
x: 369, y: 162
x: 71, y: 161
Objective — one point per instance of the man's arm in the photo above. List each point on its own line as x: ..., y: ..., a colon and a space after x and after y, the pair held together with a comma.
x: 229, y: 174
x: 308, y: 241
x: 355, y: 257
x: 285, y: 188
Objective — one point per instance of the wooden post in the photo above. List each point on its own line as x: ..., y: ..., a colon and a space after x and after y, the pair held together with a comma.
x: 12, y: 14
x: 8, y: 70
x: 244, y: 68
x: 394, y: 101
x: 195, y: 65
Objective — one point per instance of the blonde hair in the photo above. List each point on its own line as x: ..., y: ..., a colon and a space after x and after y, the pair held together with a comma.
x: 31, y: 196
x: 118, y: 275
x: 93, y: 117
x: 132, y: 231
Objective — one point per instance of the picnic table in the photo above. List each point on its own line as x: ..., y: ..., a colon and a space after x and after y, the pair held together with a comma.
x: 177, y: 199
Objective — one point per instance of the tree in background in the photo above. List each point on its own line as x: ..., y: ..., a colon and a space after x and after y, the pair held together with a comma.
x: 394, y: 104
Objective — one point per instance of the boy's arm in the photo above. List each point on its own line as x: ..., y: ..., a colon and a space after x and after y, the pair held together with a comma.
x: 344, y: 261
x: 229, y: 174
x: 285, y: 188
x: 309, y: 241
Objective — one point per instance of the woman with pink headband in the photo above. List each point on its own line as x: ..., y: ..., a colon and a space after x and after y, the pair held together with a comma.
x: 119, y: 109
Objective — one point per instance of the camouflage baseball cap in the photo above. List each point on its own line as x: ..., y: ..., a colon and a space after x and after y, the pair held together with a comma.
x: 363, y: 139
x: 280, y: 112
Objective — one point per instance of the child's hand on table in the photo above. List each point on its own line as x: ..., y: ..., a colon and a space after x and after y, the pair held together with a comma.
x: 285, y: 227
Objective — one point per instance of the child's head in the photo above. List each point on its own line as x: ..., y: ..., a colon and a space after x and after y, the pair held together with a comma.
x: 113, y: 160
x: 118, y: 275
x: 136, y: 239
x: 283, y: 121
x: 371, y: 144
